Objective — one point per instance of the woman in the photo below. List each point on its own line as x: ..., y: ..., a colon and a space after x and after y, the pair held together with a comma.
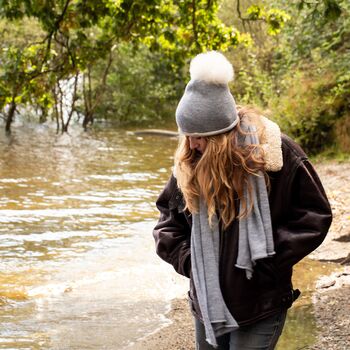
x: 241, y: 208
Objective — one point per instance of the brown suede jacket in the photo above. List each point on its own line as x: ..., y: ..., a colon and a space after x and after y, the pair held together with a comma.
x: 301, y: 216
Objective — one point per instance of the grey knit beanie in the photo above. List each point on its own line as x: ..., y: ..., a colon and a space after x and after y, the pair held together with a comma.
x: 207, y: 106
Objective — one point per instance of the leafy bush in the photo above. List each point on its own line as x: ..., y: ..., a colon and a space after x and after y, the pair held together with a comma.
x: 308, y: 110
x: 140, y: 88
x: 300, y: 77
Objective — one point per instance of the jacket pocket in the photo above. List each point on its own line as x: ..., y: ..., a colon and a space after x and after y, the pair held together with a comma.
x: 266, y: 272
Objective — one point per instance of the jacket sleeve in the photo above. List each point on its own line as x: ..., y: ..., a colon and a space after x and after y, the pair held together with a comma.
x: 307, y: 220
x: 172, y: 232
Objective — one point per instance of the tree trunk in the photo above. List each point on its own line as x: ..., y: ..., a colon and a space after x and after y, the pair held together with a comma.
x: 10, y: 116
x: 72, y: 107
x: 88, y: 120
x: 56, y: 111
x: 91, y: 100
x: 43, y: 115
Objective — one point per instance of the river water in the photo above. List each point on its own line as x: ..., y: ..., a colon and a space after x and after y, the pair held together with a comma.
x: 77, y: 263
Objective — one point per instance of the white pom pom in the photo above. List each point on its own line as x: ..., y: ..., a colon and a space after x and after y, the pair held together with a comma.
x: 211, y: 67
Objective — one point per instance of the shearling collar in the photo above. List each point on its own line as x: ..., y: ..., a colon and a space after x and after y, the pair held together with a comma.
x: 271, y: 141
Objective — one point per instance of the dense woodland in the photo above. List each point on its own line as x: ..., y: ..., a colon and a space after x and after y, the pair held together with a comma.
x: 126, y: 62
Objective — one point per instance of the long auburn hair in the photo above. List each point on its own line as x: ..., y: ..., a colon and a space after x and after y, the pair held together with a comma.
x: 220, y: 175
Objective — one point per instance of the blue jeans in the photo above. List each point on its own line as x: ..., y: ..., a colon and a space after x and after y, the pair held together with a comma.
x: 262, y: 335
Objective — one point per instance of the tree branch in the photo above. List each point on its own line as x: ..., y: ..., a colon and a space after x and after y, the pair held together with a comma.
x: 100, y: 91
x: 194, y: 23
x: 74, y: 98
x: 55, y: 29
x: 86, y: 106
x: 245, y: 19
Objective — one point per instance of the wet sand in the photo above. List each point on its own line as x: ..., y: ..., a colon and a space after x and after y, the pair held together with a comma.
x: 331, y: 297
x: 179, y: 335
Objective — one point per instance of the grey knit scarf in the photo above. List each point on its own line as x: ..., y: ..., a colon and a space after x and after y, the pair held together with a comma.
x: 255, y: 242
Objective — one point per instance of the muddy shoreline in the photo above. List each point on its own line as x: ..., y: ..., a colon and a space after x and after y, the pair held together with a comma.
x: 331, y: 295
x: 331, y: 298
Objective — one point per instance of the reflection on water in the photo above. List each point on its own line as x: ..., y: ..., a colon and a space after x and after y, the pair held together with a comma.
x: 77, y: 262
x: 300, y: 329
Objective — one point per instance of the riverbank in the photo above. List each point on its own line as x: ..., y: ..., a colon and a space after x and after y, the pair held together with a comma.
x: 331, y: 296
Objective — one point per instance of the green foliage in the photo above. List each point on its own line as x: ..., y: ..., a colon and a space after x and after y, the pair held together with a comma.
x: 306, y: 110
x: 274, y: 18
x: 19, y: 65
x: 315, y: 91
x: 77, y: 35
x: 140, y: 88
x: 291, y: 58
x: 301, y: 78
x: 328, y: 10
